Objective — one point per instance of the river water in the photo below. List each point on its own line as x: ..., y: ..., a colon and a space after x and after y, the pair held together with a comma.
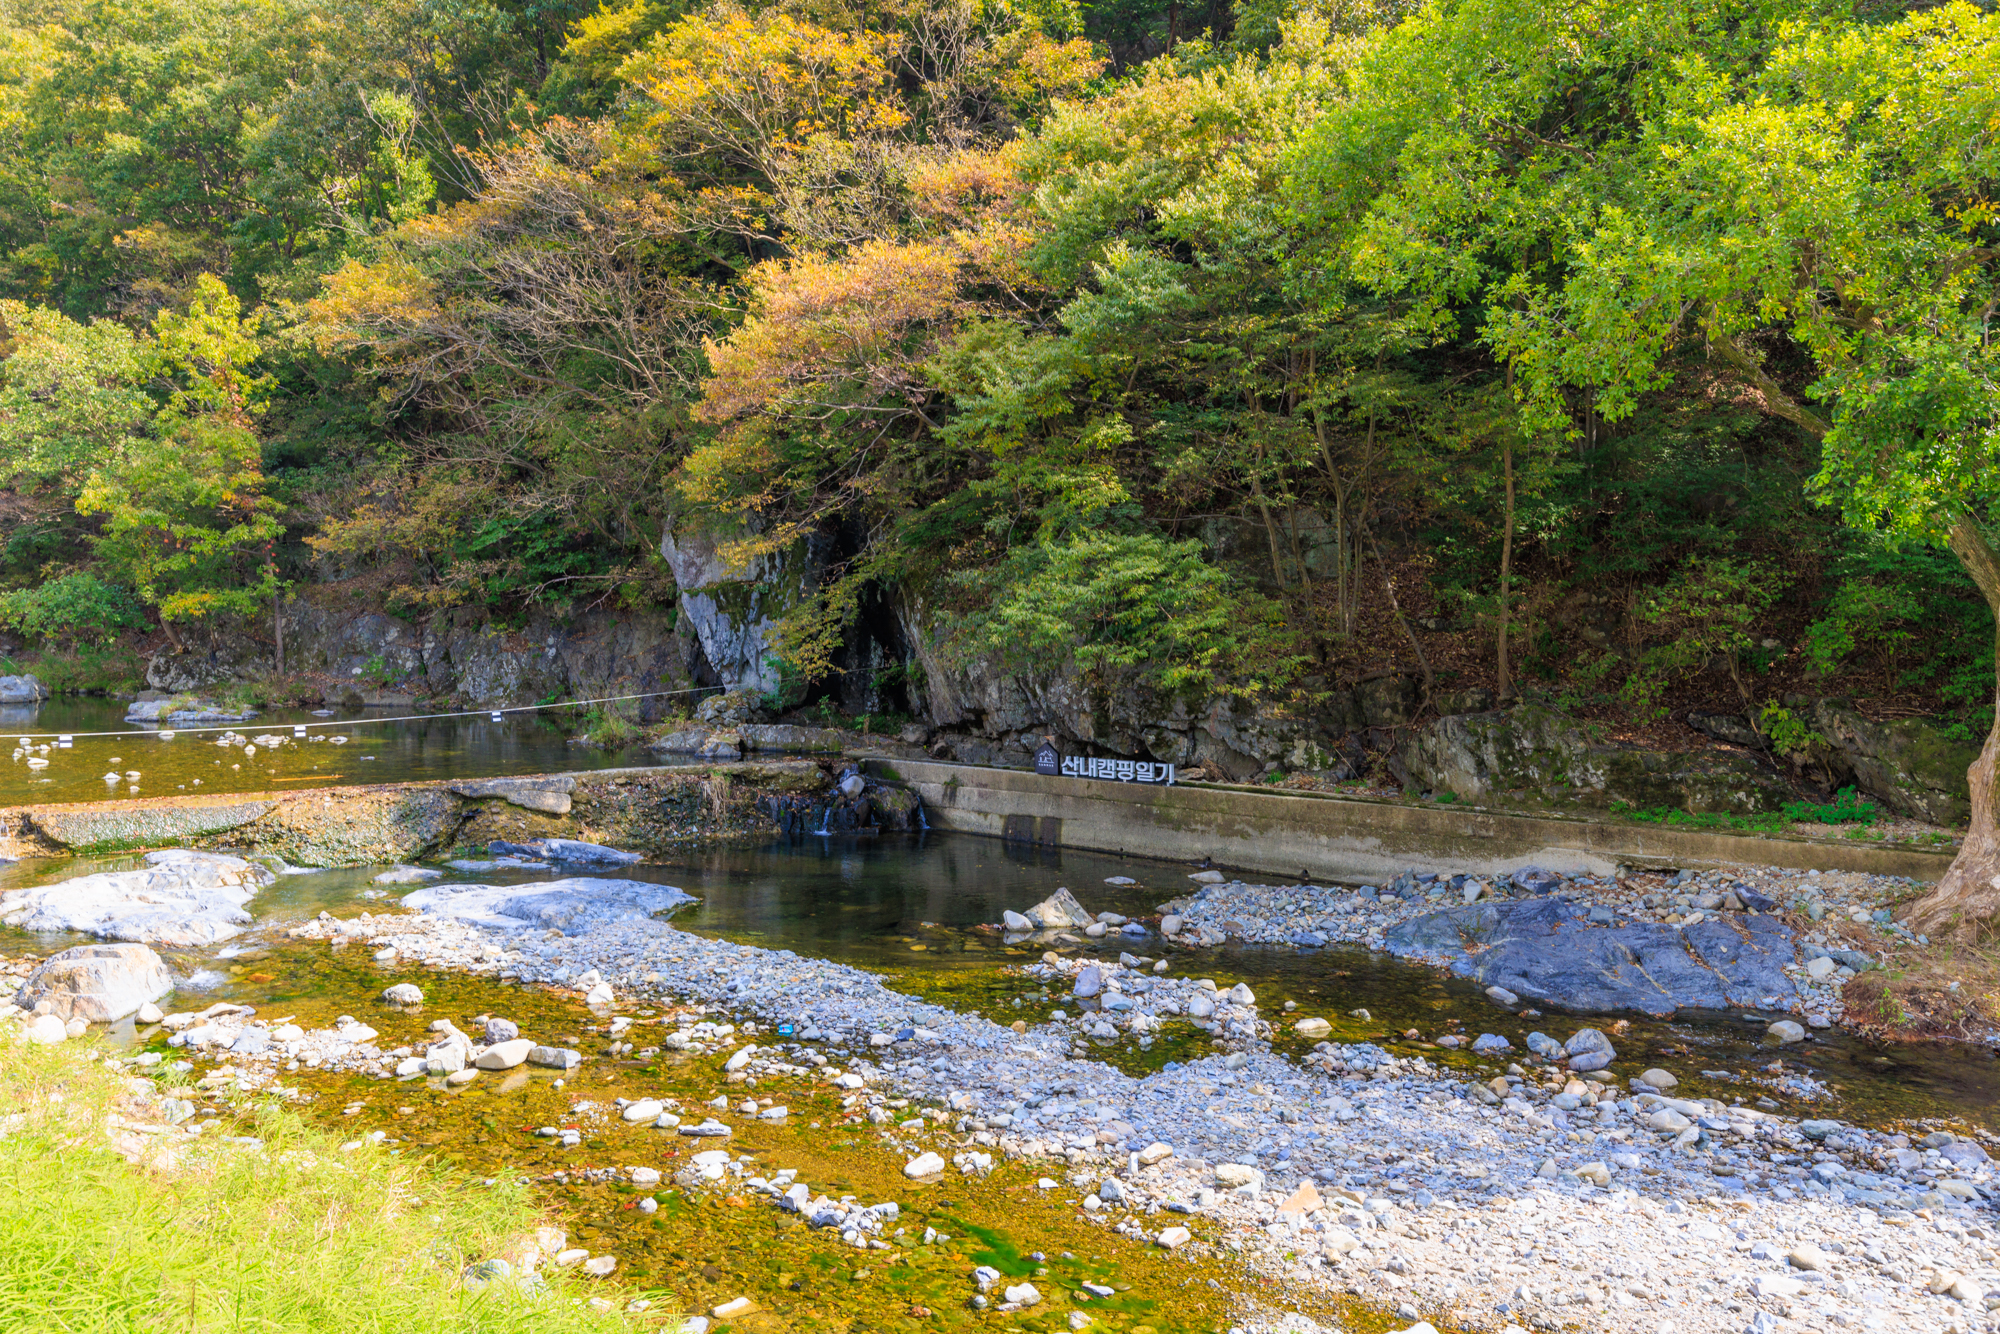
x: 356, y: 746
x: 915, y: 909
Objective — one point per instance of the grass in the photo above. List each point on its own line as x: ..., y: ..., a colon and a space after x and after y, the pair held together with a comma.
x: 82, y: 671
x: 1847, y: 807
x: 206, y: 1236
x: 608, y: 727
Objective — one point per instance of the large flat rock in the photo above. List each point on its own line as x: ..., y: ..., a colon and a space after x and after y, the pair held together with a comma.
x: 571, y: 906
x: 179, y: 899
x: 1548, y: 951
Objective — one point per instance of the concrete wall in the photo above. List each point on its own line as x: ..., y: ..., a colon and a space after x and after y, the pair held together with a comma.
x: 1314, y: 836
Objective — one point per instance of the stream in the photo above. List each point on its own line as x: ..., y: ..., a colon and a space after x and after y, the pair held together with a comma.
x: 912, y: 908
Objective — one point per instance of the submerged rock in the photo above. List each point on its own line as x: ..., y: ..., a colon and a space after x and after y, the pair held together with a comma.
x: 98, y: 983
x: 570, y: 906
x: 180, y: 899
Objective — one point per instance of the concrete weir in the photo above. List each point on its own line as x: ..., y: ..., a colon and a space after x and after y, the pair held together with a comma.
x: 1294, y: 835
x: 1321, y: 836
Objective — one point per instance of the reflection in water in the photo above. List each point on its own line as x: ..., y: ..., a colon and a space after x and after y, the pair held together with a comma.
x: 913, y: 907
x: 373, y: 751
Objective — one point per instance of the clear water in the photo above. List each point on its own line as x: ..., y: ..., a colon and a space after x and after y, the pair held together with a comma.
x: 374, y: 748
x: 915, y: 909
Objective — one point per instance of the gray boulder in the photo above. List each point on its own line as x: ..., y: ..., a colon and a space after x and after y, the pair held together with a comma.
x: 551, y: 796
x: 22, y: 690
x: 1547, y: 950
x: 1060, y: 911
x: 98, y: 983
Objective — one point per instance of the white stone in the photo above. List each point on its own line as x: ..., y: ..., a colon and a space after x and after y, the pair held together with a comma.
x: 1312, y: 1028
x: 1155, y: 1152
x: 598, y: 1266
x: 1175, y: 1236
x: 1785, y: 1031
x: 646, y: 1109
x: 404, y: 993
x: 738, y: 1059
x: 504, y: 1055
x: 48, y: 1029
x: 1023, y: 1294
x: 732, y: 1308
x: 923, y: 1165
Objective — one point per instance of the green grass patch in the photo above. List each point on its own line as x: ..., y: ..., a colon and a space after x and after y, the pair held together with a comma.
x: 1847, y: 807
x: 207, y: 1235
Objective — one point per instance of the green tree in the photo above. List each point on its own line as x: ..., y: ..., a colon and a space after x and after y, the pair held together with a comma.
x: 1824, y: 209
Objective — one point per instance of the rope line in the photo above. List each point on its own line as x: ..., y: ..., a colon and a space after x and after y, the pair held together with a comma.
x: 356, y: 722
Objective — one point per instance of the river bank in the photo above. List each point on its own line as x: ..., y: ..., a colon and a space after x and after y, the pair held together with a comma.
x: 1071, y: 1055
x: 1569, y: 1197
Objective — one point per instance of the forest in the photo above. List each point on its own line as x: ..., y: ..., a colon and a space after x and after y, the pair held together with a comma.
x: 1625, y: 356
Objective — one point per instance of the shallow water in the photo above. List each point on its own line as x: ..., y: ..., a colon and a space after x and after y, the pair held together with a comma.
x: 372, y: 746
x: 913, y: 908
x: 705, y: 1247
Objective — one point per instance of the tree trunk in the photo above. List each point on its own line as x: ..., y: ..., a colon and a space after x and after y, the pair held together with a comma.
x: 1389, y: 587
x: 1506, y: 569
x: 278, y: 625
x: 1969, y: 895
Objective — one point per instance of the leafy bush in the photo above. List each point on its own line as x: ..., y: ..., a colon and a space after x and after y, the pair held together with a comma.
x: 1706, y: 612
x: 76, y: 609
x: 1127, y: 601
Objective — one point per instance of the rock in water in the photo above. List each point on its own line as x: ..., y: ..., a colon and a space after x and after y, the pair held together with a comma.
x: 180, y: 899
x: 923, y: 1165
x: 569, y: 850
x: 404, y: 993
x: 570, y: 906
x: 1059, y: 910
x: 408, y: 875
x: 504, y: 1055
x: 22, y: 690
x: 98, y: 983
x: 1547, y: 951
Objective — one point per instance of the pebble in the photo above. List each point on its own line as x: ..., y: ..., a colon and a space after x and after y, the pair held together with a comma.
x: 1435, y: 1170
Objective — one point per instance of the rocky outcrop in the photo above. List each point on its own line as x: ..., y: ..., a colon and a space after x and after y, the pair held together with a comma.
x: 462, y: 654
x: 1532, y: 748
x: 735, y: 607
x: 1554, y: 952
x: 97, y: 983
x: 354, y: 828
x: 1906, y: 764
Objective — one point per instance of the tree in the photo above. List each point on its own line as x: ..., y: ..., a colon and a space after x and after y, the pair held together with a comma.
x: 1831, y: 207
x: 156, y: 435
